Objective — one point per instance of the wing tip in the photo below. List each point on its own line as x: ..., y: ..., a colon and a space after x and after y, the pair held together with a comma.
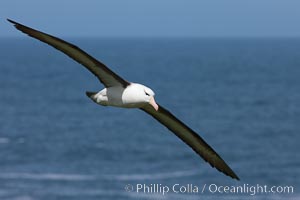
x: 237, y: 178
x: 16, y: 24
x: 224, y: 168
x: 12, y: 21
x: 227, y: 171
x: 233, y: 175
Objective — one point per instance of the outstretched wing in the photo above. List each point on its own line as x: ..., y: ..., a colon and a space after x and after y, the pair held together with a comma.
x: 190, y: 138
x: 103, y: 73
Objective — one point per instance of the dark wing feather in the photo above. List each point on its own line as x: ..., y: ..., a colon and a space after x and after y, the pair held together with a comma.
x: 190, y: 138
x: 103, y: 73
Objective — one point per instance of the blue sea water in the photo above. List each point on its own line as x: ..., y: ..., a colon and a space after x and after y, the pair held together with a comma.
x: 241, y: 95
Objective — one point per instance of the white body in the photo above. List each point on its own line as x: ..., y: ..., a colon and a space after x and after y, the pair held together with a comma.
x: 133, y: 96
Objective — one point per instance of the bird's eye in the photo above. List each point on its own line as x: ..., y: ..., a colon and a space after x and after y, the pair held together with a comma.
x: 147, y: 93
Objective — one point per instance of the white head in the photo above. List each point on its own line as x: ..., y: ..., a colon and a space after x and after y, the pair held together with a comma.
x: 139, y: 94
x: 150, y: 97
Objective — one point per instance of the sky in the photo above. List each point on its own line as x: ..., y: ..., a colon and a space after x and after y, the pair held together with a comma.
x: 155, y: 18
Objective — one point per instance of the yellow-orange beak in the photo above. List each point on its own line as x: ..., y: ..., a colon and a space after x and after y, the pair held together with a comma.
x: 153, y: 103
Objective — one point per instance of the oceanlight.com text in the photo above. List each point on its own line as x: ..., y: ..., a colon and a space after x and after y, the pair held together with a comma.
x: 250, y: 189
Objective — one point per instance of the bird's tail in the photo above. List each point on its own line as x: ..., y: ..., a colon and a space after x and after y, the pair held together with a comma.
x: 90, y: 94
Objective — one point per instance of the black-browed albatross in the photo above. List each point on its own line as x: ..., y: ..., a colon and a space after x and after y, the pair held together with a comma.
x: 121, y: 93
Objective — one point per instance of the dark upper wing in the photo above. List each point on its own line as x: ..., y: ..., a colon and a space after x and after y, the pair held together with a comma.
x: 104, y: 74
x: 190, y: 138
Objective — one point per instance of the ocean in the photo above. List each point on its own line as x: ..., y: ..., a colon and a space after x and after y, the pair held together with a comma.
x: 241, y: 95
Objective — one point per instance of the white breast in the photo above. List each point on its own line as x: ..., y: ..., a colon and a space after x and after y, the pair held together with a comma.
x: 130, y: 97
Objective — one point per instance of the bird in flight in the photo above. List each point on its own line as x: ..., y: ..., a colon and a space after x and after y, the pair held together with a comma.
x: 121, y: 93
